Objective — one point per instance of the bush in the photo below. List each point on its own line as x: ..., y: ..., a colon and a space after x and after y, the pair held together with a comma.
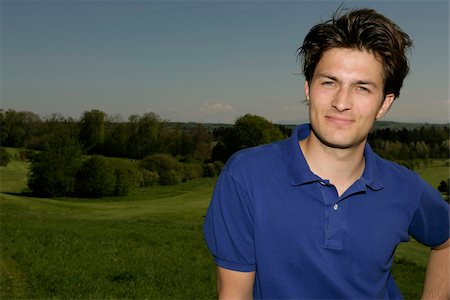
x: 192, y: 171
x: 170, y: 171
x: 96, y: 178
x: 127, y: 176
x: 123, y: 183
x: 170, y: 177
x: 5, y: 158
x: 149, y: 178
x: 161, y: 162
x: 100, y: 176
x: 218, y: 165
x: 52, y: 172
x: 444, y: 186
x: 212, y: 169
x: 209, y: 170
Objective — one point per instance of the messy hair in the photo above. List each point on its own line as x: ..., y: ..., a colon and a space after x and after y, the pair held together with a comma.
x: 364, y: 30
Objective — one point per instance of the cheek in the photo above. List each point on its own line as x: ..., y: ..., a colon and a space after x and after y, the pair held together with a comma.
x: 368, y: 111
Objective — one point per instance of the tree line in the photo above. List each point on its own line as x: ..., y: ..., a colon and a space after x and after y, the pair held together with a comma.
x: 101, y: 155
x: 402, y: 144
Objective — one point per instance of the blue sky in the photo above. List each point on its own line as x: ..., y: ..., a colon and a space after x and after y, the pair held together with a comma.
x: 200, y: 61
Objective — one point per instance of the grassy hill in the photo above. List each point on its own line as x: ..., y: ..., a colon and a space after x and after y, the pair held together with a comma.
x: 146, y: 245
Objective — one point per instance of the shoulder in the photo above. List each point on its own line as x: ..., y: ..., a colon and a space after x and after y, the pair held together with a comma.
x: 255, y: 155
x: 401, y: 180
x: 393, y: 171
x: 256, y: 159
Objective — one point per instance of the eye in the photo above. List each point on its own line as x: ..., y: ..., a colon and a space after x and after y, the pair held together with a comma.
x: 362, y: 89
x: 328, y: 83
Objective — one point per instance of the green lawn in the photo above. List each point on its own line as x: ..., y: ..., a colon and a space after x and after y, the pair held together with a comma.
x: 146, y: 245
x: 151, y: 247
x: 437, y: 171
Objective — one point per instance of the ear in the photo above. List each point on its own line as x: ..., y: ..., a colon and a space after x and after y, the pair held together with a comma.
x: 306, y: 90
x: 388, y: 100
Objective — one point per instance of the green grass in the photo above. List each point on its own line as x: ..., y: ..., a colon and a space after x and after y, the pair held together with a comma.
x: 148, y: 244
x: 151, y: 247
x: 411, y: 258
x: 437, y: 171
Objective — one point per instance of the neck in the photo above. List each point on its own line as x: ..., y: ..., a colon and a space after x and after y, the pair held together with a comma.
x: 342, y: 167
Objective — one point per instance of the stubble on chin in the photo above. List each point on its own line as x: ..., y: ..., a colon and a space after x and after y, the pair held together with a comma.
x: 335, y: 145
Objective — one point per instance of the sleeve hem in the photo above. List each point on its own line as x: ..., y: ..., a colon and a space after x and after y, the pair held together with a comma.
x: 441, y: 243
x: 234, y: 266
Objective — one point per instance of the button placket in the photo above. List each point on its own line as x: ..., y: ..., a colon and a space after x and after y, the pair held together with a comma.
x: 333, y: 216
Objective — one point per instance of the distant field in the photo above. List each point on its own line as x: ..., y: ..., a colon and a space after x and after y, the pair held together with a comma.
x: 439, y: 170
x: 146, y: 245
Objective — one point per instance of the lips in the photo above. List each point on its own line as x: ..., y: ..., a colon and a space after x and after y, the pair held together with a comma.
x: 338, y: 120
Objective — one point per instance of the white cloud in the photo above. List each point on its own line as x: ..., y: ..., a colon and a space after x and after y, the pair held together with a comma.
x: 287, y: 108
x: 212, y: 108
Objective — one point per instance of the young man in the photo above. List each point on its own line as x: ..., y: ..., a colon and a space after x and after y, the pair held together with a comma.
x: 319, y: 215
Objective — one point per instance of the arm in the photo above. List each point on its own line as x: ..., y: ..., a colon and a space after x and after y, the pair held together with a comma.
x: 234, y: 284
x: 437, y: 285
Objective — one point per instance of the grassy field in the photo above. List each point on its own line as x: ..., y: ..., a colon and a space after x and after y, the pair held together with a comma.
x: 437, y: 171
x: 146, y: 245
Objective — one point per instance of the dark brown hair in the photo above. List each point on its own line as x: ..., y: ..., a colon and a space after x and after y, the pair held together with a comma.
x: 365, y: 30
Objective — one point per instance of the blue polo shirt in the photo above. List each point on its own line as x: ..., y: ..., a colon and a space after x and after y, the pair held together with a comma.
x: 270, y: 214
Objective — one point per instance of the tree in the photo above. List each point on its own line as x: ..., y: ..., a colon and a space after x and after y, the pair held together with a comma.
x: 52, y: 126
x: 92, y: 130
x: 17, y: 127
x: 444, y: 186
x: 144, y: 133
x: 95, y: 178
x: 202, y: 139
x: 127, y: 176
x: 5, y: 158
x: 116, y: 138
x: 52, y: 172
x: 254, y: 130
x: 170, y: 171
x: 247, y: 131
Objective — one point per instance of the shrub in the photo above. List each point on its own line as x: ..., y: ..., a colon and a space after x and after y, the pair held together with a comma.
x: 161, y: 162
x: 170, y: 177
x: 95, y: 178
x: 170, y: 171
x: 100, y: 176
x: 209, y: 170
x: 192, y: 171
x: 218, y: 165
x: 5, y: 158
x: 212, y: 169
x: 149, y: 178
x: 127, y: 174
x: 444, y: 186
x: 124, y: 180
x: 52, y: 172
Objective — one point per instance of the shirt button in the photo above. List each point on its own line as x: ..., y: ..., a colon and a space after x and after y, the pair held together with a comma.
x: 322, y: 183
x: 335, y: 207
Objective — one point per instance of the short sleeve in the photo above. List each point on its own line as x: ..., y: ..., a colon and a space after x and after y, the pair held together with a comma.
x: 430, y: 223
x: 229, y: 226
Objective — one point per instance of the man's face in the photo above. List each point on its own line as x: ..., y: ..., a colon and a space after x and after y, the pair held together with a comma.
x: 345, y: 97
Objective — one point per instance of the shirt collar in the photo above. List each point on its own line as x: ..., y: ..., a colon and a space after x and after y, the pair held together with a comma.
x: 298, y: 169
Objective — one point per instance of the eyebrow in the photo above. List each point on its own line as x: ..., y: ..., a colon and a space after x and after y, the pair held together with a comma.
x: 362, y: 82
x: 366, y: 83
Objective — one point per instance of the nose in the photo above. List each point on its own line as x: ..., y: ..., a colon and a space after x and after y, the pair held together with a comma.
x: 342, y: 100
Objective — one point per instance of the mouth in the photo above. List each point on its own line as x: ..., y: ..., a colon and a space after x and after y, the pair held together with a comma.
x: 341, y: 121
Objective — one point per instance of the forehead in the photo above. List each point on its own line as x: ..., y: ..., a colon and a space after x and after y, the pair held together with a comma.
x: 350, y: 64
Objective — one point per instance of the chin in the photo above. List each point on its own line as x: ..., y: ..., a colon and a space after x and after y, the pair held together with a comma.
x: 338, y: 142
x: 339, y: 145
